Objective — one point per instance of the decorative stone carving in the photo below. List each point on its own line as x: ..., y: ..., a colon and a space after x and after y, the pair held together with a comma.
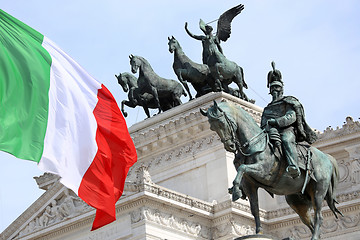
x: 350, y: 126
x: 65, y: 207
x: 143, y: 175
x: 170, y: 221
x: 354, y: 163
x: 355, y: 171
x: 241, y: 229
x: 296, y: 232
x: 46, y: 180
x: 231, y: 227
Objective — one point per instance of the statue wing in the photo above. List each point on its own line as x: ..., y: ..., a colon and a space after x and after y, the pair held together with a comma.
x: 224, y: 22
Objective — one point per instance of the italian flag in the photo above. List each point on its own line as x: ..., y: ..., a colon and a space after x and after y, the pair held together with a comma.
x: 54, y: 113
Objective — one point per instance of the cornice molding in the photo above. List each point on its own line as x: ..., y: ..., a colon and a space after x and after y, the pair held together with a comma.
x: 350, y: 127
x: 159, y: 160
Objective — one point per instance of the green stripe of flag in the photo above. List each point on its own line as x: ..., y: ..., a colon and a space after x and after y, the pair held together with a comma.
x: 24, y: 87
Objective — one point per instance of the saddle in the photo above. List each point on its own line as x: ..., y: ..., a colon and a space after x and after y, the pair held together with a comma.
x: 304, y: 158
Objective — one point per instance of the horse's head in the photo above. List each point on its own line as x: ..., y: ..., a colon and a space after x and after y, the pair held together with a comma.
x: 135, y: 63
x: 222, y: 125
x: 173, y: 44
x: 122, y: 80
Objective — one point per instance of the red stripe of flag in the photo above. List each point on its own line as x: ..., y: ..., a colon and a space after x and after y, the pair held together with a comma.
x: 103, y: 183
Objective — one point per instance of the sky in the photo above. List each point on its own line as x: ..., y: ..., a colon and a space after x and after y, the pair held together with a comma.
x: 315, y: 44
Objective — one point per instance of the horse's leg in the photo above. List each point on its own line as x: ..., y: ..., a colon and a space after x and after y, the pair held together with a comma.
x: 177, y: 100
x: 240, y: 82
x: 129, y: 104
x: 176, y: 94
x: 302, y: 206
x: 225, y: 87
x: 123, y: 109
x: 143, y: 103
x: 216, y: 75
x: 323, y: 170
x: 252, y: 192
x: 180, y: 73
x: 318, y: 216
x: 317, y: 191
x: 255, y: 170
x: 199, y: 89
x: 156, y: 98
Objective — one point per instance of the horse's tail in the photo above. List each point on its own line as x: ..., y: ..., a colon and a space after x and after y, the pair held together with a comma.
x: 331, y: 193
x: 243, y: 78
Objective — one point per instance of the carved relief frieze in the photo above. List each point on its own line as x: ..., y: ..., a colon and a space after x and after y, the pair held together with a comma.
x: 232, y: 227
x: 354, y: 163
x: 170, y: 221
x: 66, y: 206
x: 330, y: 226
x: 294, y: 232
x: 240, y: 229
x: 342, y: 223
x: 279, y: 213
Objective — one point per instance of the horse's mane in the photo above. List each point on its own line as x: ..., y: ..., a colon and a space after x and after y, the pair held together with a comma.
x: 177, y: 42
x: 130, y: 77
x: 146, y: 64
x: 127, y: 74
x: 233, y: 111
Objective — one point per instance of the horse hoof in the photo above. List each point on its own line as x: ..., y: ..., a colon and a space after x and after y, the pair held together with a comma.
x: 236, y: 194
x: 235, y: 197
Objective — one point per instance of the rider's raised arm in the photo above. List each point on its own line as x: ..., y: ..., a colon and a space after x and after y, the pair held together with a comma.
x: 192, y: 35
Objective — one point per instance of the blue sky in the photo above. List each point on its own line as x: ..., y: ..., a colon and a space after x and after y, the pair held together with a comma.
x: 315, y: 44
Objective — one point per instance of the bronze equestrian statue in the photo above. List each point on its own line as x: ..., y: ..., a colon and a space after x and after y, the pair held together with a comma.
x: 260, y: 165
x: 188, y: 71
x: 129, y: 84
x: 151, y: 83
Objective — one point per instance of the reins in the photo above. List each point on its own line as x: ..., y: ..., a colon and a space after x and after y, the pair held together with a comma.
x: 254, y: 140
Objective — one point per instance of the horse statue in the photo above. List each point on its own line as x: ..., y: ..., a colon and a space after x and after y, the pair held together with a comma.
x: 149, y: 82
x: 128, y: 82
x: 186, y: 70
x: 258, y: 166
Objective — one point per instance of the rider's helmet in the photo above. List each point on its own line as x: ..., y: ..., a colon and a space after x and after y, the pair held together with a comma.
x: 274, y: 77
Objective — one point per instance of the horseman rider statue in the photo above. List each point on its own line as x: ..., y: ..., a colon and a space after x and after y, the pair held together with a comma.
x: 284, y: 120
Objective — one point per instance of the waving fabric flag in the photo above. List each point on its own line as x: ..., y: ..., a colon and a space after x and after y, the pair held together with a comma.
x: 54, y: 113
